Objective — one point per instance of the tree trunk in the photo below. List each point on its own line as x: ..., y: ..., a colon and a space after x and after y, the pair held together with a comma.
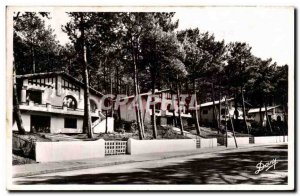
x: 179, y: 109
x: 142, y: 119
x: 106, y: 115
x: 33, y: 60
x: 196, y: 110
x: 233, y: 131
x: 87, y: 116
x: 214, y: 105
x: 187, y: 85
x: 104, y: 78
x: 226, y: 141
x: 118, y: 91
x: 236, y: 114
x: 111, y: 92
x: 136, y: 93
x: 174, y: 114
x: 267, y: 119
x: 200, y: 116
x: 173, y: 105
x: 285, y: 116
x: 87, y: 124
x: 153, y: 117
x: 16, y: 107
x: 244, y: 110
x: 174, y: 119
x: 138, y: 87
x: 260, y: 116
x: 219, y: 121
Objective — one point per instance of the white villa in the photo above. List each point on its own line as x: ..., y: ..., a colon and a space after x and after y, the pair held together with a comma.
x: 164, y: 115
x: 273, y: 112
x: 206, y: 111
x: 54, y: 103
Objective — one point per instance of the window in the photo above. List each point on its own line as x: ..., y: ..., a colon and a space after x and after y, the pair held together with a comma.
x: 35, y: 96
x: 71, y: 123
x: 70, y: 102
x: 40, y: 123
x: 67, y: 85
x: 205, y: 111
x: 223, y: 111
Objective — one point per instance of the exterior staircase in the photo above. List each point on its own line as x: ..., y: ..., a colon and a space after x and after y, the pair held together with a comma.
x: 99, y: 126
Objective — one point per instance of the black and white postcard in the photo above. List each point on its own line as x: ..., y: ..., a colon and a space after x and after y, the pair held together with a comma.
x: 150, y: 98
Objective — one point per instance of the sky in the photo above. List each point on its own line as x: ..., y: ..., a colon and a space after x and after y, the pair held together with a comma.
x: 269, y: 31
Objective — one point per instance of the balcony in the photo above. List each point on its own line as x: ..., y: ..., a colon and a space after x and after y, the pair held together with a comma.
x: 30, y: 106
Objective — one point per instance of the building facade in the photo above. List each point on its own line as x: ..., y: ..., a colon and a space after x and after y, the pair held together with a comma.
x: 54, y: 103
x: 206, y: 111
x: 164, y: 111
x: 273, y: 112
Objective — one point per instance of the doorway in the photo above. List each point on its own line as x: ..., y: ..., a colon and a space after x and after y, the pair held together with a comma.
x: 40, y: 124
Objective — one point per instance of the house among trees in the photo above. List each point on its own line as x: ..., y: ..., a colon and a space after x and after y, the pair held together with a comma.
x: 128, y: 53
x: 275, y: 113
x: 210, y: 109
x: 54, y: 103
x: 164, y: 116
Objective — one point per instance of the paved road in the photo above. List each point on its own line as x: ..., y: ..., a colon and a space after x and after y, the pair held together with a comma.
x: 232, y: 167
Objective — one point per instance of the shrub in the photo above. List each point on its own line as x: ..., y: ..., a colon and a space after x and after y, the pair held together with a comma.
x: 125, y: 126
x: 24, y: 145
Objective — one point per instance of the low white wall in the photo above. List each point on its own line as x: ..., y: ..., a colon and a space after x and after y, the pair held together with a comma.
x: 153, y: 146
x: 69, y: 150
x: 208, y: 143
x: 100, y: 128
x: 239, y: 140
x: 270, y: 139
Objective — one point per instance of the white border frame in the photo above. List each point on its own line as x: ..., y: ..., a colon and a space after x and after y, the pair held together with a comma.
x: 10, y: 186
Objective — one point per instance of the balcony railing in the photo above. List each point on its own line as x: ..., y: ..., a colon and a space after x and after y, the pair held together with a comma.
x: 54, y: 109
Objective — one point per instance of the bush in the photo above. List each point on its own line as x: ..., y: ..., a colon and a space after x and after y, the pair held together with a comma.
x: 277, y: 129
x: 169, y: 133
x: 120, y: 130
x: 257, y: 130
x: 24, y: 145
x: 125, y: 126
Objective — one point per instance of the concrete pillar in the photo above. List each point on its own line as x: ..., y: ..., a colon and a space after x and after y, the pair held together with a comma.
x: 23, y: 94
x: 31, y: 103
x: 49, y: 107
x: 81, y: 94
x: 44, y: 97
x: 25, y: 83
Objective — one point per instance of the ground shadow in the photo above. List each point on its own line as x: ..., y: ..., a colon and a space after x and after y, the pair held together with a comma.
x: 224, y: 168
